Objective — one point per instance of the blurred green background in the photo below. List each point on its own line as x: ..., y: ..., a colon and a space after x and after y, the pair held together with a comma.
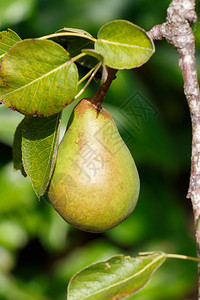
x: 39, y: 252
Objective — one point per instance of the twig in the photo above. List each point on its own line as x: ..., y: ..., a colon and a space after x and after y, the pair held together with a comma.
x: 98, y: 98
x: 177, y: 31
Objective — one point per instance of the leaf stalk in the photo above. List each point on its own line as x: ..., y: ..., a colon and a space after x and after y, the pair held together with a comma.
x: 50, y: 36
x: 95, y: 70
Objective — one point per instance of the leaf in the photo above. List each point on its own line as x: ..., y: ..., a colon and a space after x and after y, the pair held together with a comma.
x: 37, y: 78
x: 7, y: 40
x: 104, y: 75
x: 17, y: 149
x: 116, y: 278
x: 93, y: 53
x: 39, y: 149
x: 78, y: 31
x: 124, y: 45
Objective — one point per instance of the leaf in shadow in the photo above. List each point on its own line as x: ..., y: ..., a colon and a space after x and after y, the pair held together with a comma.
x: 39, y: 149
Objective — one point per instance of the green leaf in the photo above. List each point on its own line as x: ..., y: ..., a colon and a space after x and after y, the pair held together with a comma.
x: 37, y: 78
x: 39, y: 149
x: 116, y: 278
x: 93, y: 53
x: 7, y: 39
x: 77, y: 31
x: 124, y: 45
x: 17, y: 148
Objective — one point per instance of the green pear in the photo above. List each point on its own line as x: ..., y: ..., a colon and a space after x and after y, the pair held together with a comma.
x: 95, y: 184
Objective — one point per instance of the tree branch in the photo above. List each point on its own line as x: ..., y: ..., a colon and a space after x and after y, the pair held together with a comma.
x: 177, y: 31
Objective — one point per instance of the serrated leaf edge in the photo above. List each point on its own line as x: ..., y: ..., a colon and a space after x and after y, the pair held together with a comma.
x: 54, y: 149
x: 54, y: 154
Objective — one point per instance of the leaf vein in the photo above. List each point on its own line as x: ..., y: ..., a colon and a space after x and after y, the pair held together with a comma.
x: 127, y: 279
x: 40, y: 78
x: 125, y: 45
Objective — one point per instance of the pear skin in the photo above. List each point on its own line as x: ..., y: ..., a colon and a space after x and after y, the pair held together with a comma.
x: 95, y: 184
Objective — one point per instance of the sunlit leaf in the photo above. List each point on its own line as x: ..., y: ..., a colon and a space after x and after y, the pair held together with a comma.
x: 123, y: 45
x: 77, y: 31
x: 39, y: 148
x: 116, y: 278
x: 7, y: 40
x: 37, y: 78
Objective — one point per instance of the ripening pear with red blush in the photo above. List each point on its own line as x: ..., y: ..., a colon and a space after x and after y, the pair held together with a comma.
x: 95, y: 184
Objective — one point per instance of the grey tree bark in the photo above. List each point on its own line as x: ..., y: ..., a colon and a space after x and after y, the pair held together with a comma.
x: 177, y: 31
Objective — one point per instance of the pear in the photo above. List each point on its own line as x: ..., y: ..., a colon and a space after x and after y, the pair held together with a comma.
x: 95, y: 184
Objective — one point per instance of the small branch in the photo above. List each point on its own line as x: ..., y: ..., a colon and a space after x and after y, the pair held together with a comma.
x: 98, y: 98
x: 177, y: 31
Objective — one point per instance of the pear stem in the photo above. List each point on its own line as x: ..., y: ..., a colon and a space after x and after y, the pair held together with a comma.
x: 98, y: 98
